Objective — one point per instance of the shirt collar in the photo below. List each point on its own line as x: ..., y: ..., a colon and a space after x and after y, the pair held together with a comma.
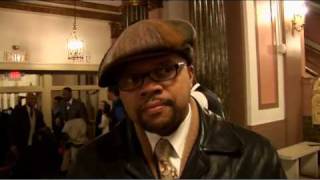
x: 177, y: 138
x: 194, y: 87
x: 70, y: 101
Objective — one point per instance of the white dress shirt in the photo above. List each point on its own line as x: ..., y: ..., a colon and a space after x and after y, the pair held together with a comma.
x: 177, y: 140
x: 104, y: 124
x: 69, y: 103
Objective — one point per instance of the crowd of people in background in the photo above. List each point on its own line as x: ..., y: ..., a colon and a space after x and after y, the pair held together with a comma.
x: 30, y: 149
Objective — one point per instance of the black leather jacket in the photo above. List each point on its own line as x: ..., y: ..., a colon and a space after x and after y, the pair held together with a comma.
x: 222, y: 150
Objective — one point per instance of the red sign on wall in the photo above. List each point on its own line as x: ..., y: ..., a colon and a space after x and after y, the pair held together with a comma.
x: 14, y: 75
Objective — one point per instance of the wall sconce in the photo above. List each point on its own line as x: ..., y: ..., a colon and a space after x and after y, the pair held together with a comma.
x: 16, y: 55
x: 297, y: 22
x: 298, y: 17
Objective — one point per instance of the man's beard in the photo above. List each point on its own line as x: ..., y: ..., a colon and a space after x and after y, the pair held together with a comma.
x: 167, y: 127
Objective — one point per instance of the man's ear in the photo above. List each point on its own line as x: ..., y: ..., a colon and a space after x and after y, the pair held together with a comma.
x: 191, y: 73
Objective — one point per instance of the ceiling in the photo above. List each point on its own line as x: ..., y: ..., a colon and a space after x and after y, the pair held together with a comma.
x: 109, y: 10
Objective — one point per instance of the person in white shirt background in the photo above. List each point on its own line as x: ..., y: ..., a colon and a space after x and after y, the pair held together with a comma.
x: 207, y: 99
x: 103, y: 118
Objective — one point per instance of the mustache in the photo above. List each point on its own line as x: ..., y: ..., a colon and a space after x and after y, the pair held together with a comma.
x: 166, y: 102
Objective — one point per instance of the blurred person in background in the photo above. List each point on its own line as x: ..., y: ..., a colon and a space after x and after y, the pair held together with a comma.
x: 103, y: 118
x: 26, y: 133
x: 75, y: 117
x: 57, y: 116
x: 207, y: 99
x: 117, y: 113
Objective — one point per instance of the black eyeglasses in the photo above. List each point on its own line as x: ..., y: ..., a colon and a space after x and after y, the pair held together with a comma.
x: 163, y: 73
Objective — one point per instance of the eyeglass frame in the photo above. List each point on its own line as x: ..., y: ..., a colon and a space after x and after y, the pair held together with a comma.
x: 178, y: 67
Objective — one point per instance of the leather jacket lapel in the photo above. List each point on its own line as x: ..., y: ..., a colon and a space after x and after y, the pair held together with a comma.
x: 137, y: 168
x: 197, y: 165
x: 198, y: 162
x: 137, y: 164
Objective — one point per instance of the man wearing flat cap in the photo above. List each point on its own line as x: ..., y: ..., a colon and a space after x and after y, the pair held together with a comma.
x: 166, y: 134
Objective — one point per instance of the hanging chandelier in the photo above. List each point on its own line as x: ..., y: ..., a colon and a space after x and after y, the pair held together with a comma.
x: 75, y: 44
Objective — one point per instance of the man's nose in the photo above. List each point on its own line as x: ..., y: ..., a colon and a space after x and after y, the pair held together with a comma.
x: 150, y: 87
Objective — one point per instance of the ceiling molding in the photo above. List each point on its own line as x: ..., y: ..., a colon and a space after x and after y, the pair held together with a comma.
x: 59, y: 10
x: 87, y: 5
x: 67, y: 68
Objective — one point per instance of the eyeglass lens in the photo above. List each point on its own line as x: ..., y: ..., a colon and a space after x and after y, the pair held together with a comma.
x: 164, y: 73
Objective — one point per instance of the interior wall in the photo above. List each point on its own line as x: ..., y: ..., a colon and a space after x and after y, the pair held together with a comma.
x: 293, y: 77
x: 44, y: 36
x: 235, y: 42
x: 257, y: 116
x: 245, y: 78
x: 274, y: 132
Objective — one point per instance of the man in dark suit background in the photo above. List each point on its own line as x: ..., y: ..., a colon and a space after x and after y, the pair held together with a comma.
x: 75, y: 127
x: 26, y: 121
x: 73, y: 108
x: 57, y: 119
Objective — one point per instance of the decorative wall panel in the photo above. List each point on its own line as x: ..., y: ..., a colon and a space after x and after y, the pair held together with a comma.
x: 266, y: 55
x: 263, y: 63
x: 211, y: 58
x: 134, y: 10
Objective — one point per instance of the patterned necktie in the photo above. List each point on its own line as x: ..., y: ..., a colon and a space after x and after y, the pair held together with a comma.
x: 163, y: 151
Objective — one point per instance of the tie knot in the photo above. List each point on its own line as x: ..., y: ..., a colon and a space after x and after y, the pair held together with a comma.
x: 164, y: 150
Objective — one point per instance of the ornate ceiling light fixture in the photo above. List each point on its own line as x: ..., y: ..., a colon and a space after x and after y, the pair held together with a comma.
x: 75, y: 44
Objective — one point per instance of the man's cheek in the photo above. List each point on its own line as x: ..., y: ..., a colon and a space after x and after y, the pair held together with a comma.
x: 131, y: 111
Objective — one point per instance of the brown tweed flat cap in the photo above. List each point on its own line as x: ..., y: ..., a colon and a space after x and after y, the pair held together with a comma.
x: 146, y: 39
